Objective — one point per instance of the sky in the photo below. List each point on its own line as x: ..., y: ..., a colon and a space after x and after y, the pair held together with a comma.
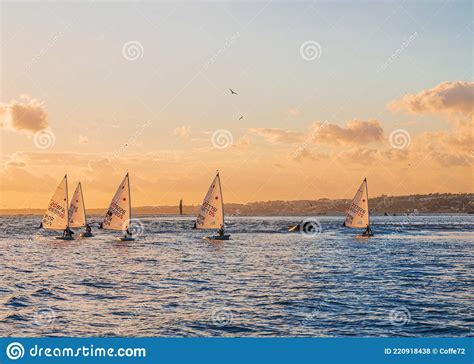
x: 328, y: 93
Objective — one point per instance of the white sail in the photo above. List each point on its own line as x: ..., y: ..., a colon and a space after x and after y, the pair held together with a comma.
x: 211, y: 215
x: 56, y: 216
x: 357, y: 216
x: 119, y: 213
x: 77, y: 211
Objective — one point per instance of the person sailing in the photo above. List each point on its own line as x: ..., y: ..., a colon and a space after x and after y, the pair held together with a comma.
x: 68, y: 233
x: 368, y: 232
x: 221, y: 231
x: 127, y: 234
x: 88, y: 228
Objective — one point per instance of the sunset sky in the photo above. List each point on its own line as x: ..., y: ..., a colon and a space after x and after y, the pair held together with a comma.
x: 330, y: 93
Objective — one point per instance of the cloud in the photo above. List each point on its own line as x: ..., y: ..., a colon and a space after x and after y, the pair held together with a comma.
x: 294, y: 111
x: 182, y: 132
x: 455, y: 102
x: 356, y: 132
x: 447, y: 97
x: 302, y: 153
x: 27, y: 115
x: 16, y: 178
x: 242, y: 143
x: 83, y: 139
x: 447, y: 147
x: 279, y: 136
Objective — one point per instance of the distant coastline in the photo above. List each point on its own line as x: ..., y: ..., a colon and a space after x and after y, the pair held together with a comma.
x: 400, y: 205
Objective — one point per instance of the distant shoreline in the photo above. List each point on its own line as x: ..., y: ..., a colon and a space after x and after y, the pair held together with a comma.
x: 300, y: 215
x: 433, y: 203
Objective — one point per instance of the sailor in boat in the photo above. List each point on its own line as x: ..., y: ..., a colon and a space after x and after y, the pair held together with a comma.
x: 127, y: 235
x: 68, y: 233
x: 368, y: 232
x: 221, y: 231
x: 88, y: 229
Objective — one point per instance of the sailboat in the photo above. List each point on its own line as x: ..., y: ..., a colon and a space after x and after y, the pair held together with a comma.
x: 181, y: 206
x: 56, y: 216
x: 119, y: 214
x: 77, y: 212
x: 211, y: 215
x: 357, y: 216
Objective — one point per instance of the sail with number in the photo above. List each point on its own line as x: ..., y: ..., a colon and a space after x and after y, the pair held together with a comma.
x: 77, y: 211
x: 211, y: 215
x: 119, y: 213
x: 56, y: 216
x: 357, y: 216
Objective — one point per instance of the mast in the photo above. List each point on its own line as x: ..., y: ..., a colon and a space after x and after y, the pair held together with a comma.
x: 222, y: 199
x: 83, y: 206
x: 367, y: 193
x: 67, y: 204
x: 129, y: 201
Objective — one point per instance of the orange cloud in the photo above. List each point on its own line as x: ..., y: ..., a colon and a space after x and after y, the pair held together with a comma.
x: 28, y: 115
x: 355, y: 132
x: 279, y: 136
x: 451, y: 97
x: 302, y: 153
x: 182, y: 132
x: 242, y: 143
x: 83, y: 139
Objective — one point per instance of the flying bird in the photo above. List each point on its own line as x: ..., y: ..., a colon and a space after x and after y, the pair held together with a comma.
x: 241, y: 117
x: 233, y: 92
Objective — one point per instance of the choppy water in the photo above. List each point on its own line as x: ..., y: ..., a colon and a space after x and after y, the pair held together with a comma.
x: 414, y: 278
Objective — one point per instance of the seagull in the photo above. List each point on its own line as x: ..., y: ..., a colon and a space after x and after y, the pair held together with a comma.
x: 241, y: 117
x: 233, y: 92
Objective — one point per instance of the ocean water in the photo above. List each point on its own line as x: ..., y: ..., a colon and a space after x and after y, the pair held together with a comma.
x: 414, y: 278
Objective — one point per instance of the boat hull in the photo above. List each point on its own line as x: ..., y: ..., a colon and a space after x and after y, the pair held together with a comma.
x: 307, y: 227
x: 122, y: 238
x: 217, y: 237
x: 64, y: 238
x: 86, y: 235
x: 364, y: 236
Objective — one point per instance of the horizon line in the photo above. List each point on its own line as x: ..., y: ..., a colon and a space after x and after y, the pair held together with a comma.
x: 260, y: 201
